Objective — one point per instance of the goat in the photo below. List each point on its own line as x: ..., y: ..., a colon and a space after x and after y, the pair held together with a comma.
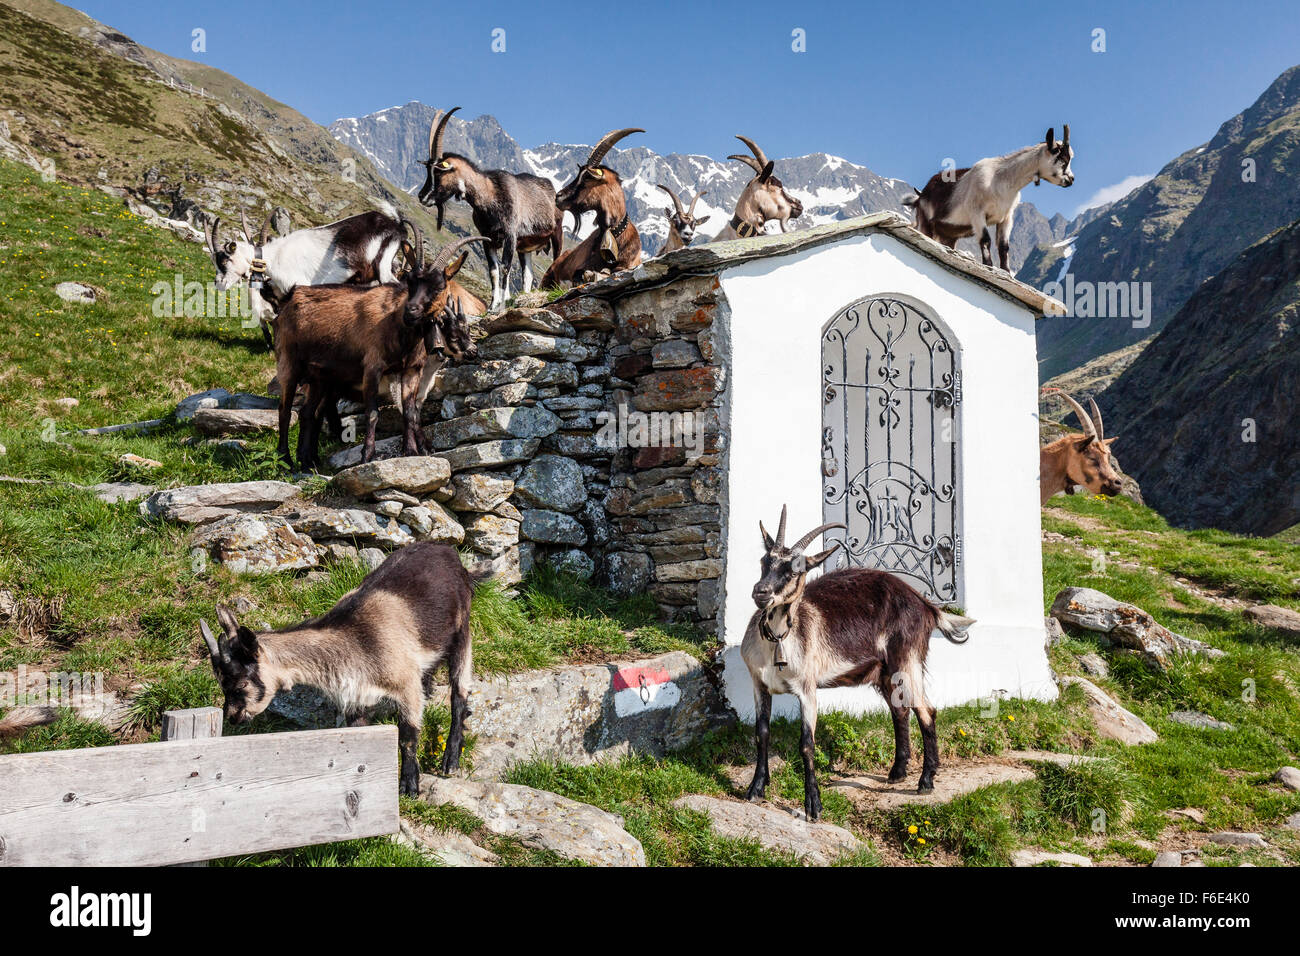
x: 515, y: 211
x: 847, y: 628
x: 19, y: 720
x: 615, y: 245
x: 359, y: 249
x: 336, y: 337
x: 1078, y: 459
x: 964, y: 202
x: 381, y: 641
x: 681, y: 222
x: 764, y: 197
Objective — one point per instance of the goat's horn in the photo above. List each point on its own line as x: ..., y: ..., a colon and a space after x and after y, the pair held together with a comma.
x: 444, y: 255
x: 753, y: 148
x: 691, y: 211
x: 266, y: 230
x: 780, y: 530
x: 1084, y: 420
x: 417, y: 244
x: 436, y: 129
x: 1096, y: 414
x: 749, y: 161
x: 212, y: 236
x: 243, y: 221
x: 1066, y: 140
x: 677, y: 203
x: 607, y: 143
x: 214, y: 646
x: 808, y: 538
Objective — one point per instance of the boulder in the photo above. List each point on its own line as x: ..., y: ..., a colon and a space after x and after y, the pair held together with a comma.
x: 1113, y: 721
x: 212, y: 398
x: 1168, y: 858
x: 529, y: 421
x: 1233, y: 838
x: 1192, y: 718
x: 584, y: 713
x: 816, y: 844
x: 450, y: 847
x: 489, y: 454
x: 1094, y: 665
x: 491, y: 534
x: 433, y: 522
x: 553, y: 483
x: 506, y: 569
x: 628, y: 572
x: 1281, y: 619
x: 413, y: 475
x: 574, y: 562
x: 78, y: 292
x: 196, y: 504
x: 479, y: 492
x: 372, y: 558
x: 1126, y: 625
x: 256, y: 544
x: 1288, y: 777
x: 233, y: 421
x: 536, y: 818
x: 114, y: 492
x: 350, y: 524
x: 552, y: 527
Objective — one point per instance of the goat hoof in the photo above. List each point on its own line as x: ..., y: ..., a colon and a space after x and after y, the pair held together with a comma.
x: 409, y: 788
x: 896, y: 776
x: 926, y: 786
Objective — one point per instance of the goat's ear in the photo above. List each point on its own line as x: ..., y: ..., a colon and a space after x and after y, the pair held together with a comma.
x: 1050, y: 138
x: 768, y: 541
x: 1082, y: 442
x: 229, y: 623
x: 702, y: 220
x: 817, y: 559
x: 1107, y: 441
x: 454, y: 267
x: 766, y: 174
x: 247, y: 640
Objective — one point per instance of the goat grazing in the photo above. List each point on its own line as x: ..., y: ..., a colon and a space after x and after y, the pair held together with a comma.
x: 515, y: 211
x: 381, y: 641
x: 681, y: 222
x: 846, y: 628
x: 357, y: 250
x: 341, y: 337
x: 1078, y: 459
x: 764, y: 197
x: 964, y: 202
x: 615, y: 245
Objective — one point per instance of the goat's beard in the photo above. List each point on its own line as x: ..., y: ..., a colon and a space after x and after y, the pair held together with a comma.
x: 442, y: 208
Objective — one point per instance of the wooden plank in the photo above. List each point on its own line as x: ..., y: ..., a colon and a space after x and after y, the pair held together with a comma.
x: 186, y: 800
x: 199, y: 723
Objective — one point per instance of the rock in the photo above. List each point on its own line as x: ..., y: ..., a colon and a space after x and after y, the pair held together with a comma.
x: 392, y: 494
x: 1168, y: 858
x: 674, y: 353
x: 389, y: 509
x: 1192, y: 718
x: 232, y: 421
x: 1190, y: 813
x: 433, y: 522
x: 196, y: 504
x: 451, y: 848
x: 352, y: 524
x: 1288, y: 777
x: 247, y: 400
x: 65, y: 404
x: 817, y: 844
x: 586, y: 312
x: 372, y: 558
x: 510, y: 344
x: 256, y: 544
x: 1281, y: 619
x: 628, y: 572
x: 506, y: 569
x: 1233, y: 838
x: 339, y: 551
x: 212, y: 398
x: 1126, y: 625
x: 487, y: 375
x: 78, y: 292
x: 1113, y: 721
x: 136, y: 461
x: 491, y: 534
x: 479, y: 492
x: 414, y: 475
x: 8, y: 605
x: 574, y: 562
x: 553, y: 483
x: 1036, y: 857
x: 1293, y: 822
x: 523, y: 422
x: 489, y: 454
x: 576, y: 831
x: 689, y: 570
x: 584, y: 713
x: 527, y: 320
x: 552, y: 527
x: 1055, y: 633
x: 1094, y: 664
x: 678, y: 389
x: 114, y: 492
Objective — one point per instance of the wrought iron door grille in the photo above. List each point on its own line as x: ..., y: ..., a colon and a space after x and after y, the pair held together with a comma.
x: 891, y: 388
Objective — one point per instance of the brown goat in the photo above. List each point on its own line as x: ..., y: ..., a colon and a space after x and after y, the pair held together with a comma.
x: 382, y: 641
x: 1078, y: 459
x: 341, y: 337
x: 764, y: 197
x: 616, y: 244
x: 848, y: 628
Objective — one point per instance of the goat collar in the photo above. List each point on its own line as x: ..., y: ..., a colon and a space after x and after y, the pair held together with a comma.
x: 744, y: 229
x: 257, y: 268
x: 774, y: 625
x: 620, y: 227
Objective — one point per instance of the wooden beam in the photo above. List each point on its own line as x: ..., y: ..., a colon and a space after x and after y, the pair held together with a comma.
x: 186, y: 800
x: 200, y: 723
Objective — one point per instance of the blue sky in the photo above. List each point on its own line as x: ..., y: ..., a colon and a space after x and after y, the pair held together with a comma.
x: 896, y: 86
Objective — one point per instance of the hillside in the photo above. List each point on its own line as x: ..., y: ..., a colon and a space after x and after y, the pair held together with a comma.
x: 1230, y: 356
x: 830, y: 188
x: 1181, y: 227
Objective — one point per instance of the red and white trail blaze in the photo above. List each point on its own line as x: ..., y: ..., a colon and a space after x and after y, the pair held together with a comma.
x: 638, y: 689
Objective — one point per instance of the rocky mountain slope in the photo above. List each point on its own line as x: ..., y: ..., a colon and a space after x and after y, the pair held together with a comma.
x: 1207, y: 414
x: 831, y: 188
x: 1181, y: 227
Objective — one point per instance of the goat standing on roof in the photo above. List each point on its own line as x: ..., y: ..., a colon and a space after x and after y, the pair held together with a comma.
x: 516, y: 211
x: 847, y: 628
x: 1078, y: 459
x: 965, y: 202
x: 764, y: 197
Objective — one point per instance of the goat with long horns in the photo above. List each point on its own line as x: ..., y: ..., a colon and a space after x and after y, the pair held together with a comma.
x: 847, y: 628
x: 681, y: 221
x: 616, y: 244
x: 764, y: 197
x: 1078, y: 459
x: 515, y: 211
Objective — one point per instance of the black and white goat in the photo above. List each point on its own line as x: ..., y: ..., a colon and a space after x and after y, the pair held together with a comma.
x: 681, y: 222
x: 764, y: 197
x: 382, y: 641
x: 356, y: 250
x: 847, y: 628
x: 965, y: 202
x: 515, y: 211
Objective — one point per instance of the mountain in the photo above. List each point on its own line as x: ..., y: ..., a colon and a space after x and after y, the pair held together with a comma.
x: 830, y: 188
x: 1180, y: 228
x: 1206, y: 415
